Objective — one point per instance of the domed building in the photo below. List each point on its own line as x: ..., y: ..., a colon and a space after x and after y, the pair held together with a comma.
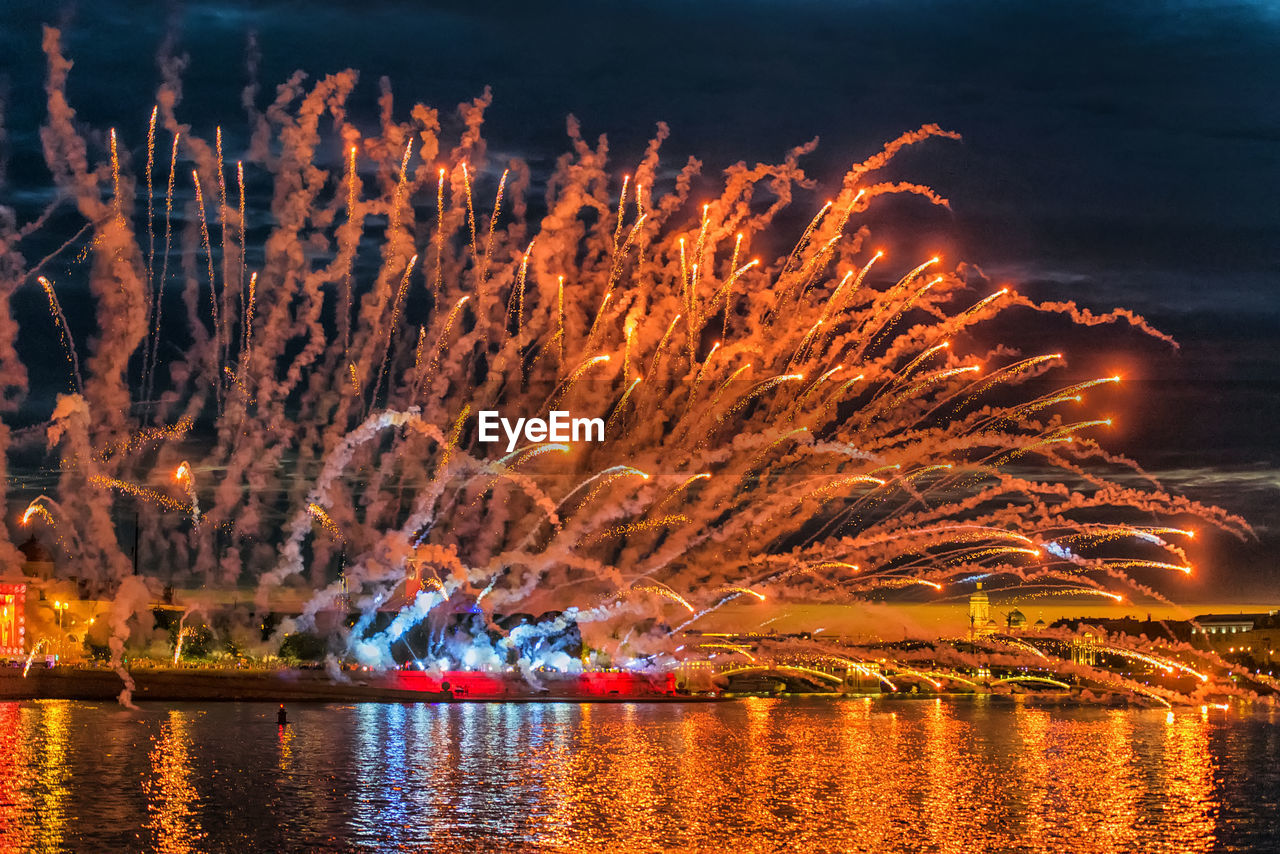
x: 37, y: 562
x: 980, y: 622
x: 1015, y: 620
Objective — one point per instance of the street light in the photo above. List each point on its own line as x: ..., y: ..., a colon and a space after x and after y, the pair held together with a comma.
x: 59, y: 607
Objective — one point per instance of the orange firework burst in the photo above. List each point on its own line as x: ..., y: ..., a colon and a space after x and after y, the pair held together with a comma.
x: 820, y: 422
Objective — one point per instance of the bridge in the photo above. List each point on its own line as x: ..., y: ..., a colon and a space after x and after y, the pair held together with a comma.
x: 834, y: 675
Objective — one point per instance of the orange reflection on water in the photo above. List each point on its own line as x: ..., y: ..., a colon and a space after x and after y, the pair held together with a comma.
x: 172, y: 800
x: 16, y: 770
x: 54, y: 775
x: 1190, y: 804
x: 762, y: 774
x: 937, y: 775
x: 34, y: 775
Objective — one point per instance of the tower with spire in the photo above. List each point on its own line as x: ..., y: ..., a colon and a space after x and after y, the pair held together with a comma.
x: 980, y: 622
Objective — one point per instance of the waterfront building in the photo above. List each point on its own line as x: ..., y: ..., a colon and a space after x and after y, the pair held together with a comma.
x: 1084, y: 650
x: 44, y: 609
x: 13, y: 624
x: 1253, y: 636
x: 1218, y: 627
x: 980, y: 622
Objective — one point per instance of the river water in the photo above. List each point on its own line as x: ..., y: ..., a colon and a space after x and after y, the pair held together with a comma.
x: 753, y: 775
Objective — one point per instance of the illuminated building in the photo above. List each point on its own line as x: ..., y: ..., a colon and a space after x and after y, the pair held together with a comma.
x: 1255, y: 636
x: 14, y: 590
x: 980, y: 622
x: 1220, y: 627
x: 1084, y: 650
x: 13, y: 625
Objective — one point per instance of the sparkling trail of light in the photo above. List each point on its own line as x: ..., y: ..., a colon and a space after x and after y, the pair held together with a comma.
x: 636, y: 527
x: 438, y: 281
x: 662, y: 345
x: 37, y: 508
x: 1007, y: 641
x: 184, y: 475
x: 116, y: 200
x: 528, y: 452
x: 397, y: 200
x: 184, y: 632
x: 560, y: 335
x: 746, y: 591
x: 1146, y: 564
x: 969, y: 556
x: 147, y: 436
x: 137, y: 491
x: 151, y: 216
x: 740, y: 650
x: 244, y: 258
x: 919, y: 674
x: 600, y: 480
x: 664, y: 592
x: 953, y: 677
x: 1065, y: 590
x: 391, y: 326
x: 213, y: 284
x: 250, y: 305
x: 1167, y: 664
x: 152, y: 361
x: 622, y: 403
x: 685, y: 484
x: 353, y: 189
x: 224, y: 238
x: 326, y: 521
x: 442, y: 341
x: 471, y: 211
x: 26, y: 667
x: 895, y: 583
x: 755, y: 391
x: 493, y: 222
x: 68, y: 344
x: 564, y: 388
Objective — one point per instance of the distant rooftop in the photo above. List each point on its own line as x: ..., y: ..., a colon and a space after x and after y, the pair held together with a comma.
x: 1231, y: 619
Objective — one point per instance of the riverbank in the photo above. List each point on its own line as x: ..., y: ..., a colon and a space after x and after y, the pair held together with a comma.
x: 291, y: 685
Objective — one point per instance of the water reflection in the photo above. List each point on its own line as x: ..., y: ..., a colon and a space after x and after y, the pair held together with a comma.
x: 54, y: 775
x: 17, y: 765
x: 1189, y: 800
x: 172, y: 800
x: 846, y: 775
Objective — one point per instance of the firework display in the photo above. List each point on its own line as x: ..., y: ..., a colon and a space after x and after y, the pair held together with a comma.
x: 294, y: 339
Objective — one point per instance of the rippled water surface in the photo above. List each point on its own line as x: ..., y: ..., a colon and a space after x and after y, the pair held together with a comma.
x: 745, y: 776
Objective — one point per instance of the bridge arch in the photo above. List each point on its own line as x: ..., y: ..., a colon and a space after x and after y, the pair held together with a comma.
x: 1043, y: 680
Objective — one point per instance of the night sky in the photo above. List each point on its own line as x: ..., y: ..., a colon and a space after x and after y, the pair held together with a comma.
x: 1116, y: 154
